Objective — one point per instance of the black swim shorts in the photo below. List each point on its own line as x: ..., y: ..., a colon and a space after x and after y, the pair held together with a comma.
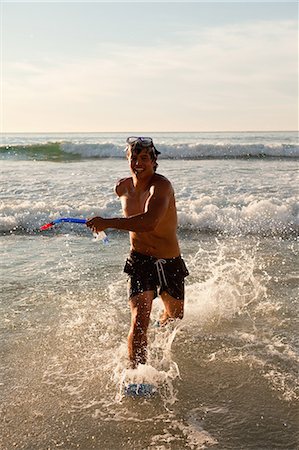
x: 147, y: 273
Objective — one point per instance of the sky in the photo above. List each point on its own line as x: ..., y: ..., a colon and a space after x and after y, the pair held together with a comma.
x: 149, y: 66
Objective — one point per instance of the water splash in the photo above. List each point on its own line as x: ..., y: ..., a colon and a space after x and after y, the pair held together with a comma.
x: 230, y: 284
x: 161, y: 370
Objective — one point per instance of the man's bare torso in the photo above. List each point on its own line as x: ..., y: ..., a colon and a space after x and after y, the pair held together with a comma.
x: 162, y: 241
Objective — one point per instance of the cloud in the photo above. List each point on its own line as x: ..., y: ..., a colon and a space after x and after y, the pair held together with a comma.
x: 228, y: 68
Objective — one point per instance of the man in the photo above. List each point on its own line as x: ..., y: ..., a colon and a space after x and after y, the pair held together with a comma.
x: 150, y: 214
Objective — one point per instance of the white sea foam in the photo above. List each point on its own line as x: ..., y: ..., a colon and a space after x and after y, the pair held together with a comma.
x: 259, y: 216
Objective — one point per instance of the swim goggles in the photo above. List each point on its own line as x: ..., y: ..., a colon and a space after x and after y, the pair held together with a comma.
x: 143, y: 141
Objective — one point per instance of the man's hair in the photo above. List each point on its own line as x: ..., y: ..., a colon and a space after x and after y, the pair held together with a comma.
x: 151, y: 150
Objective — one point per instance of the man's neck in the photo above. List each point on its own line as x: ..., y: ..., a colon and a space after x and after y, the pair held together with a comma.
x: 142, y: 184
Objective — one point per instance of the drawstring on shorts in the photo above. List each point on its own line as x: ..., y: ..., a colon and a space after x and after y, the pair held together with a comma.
x: 160, y: 270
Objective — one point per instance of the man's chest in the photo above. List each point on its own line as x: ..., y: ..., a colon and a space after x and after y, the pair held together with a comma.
x: 134, y: 203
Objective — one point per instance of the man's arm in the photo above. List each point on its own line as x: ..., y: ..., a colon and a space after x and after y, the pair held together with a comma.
x: 155, y: 209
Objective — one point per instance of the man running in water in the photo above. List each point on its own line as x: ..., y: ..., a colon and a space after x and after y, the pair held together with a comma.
x: 154, y: 262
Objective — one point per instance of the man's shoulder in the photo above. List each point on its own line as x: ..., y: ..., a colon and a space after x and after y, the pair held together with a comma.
x: 158, y: 178
x: 161, y: 182
x: 122, y: 186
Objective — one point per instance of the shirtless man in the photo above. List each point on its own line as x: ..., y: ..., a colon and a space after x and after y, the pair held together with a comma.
x: 150, y: 214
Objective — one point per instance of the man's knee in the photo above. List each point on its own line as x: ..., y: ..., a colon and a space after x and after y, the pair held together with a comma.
x: 141, y: 306
x: 178, y: 310
x: 173, y: 306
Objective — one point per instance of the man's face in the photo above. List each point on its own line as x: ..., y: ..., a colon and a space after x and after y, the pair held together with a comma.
x: 141, y: 164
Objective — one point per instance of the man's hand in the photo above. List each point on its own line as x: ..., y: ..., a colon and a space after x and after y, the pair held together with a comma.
x: 96, y: 224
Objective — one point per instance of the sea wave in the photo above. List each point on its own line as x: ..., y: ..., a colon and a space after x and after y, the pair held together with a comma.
x: 258, y: 217
x: 68, y: 151
x: 262, y: 217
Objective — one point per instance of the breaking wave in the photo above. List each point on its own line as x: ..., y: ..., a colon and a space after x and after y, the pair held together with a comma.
x: 258, y: 217
x: 70, y: 151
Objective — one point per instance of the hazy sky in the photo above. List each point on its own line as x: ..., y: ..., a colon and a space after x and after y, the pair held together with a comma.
x: 149, y: 66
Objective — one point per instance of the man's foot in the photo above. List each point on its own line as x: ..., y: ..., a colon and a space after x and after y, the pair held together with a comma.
x: 163, y: 320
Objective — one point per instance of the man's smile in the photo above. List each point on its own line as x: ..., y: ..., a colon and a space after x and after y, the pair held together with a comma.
x: 137, y: 170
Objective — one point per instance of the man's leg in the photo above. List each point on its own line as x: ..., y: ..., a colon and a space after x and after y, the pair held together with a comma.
x: 141, y: 306
x: 173, y: 308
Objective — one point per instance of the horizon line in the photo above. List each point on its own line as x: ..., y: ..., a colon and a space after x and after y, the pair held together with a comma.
x: 152, y: 131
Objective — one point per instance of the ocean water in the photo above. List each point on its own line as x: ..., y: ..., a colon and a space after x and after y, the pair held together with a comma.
x: 227, y: 374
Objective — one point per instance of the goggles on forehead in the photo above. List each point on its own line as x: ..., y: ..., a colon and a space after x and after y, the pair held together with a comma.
x: 143, y: 141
